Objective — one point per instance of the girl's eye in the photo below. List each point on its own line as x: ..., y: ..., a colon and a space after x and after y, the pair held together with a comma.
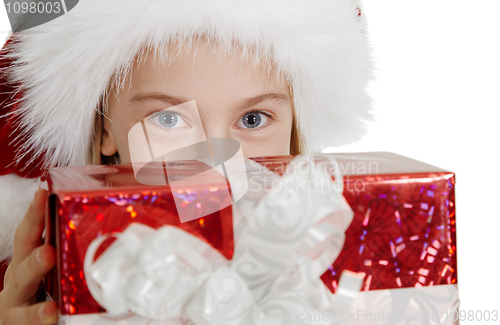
x: 253, y: 120
x: 170, y: 120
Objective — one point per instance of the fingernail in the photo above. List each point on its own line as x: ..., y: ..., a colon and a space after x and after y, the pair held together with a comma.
x: 41, y: 312
x: 46, y: 319
x: 38, y: 256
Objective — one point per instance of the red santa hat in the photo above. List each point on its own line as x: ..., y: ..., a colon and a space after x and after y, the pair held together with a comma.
x: 54, y: 75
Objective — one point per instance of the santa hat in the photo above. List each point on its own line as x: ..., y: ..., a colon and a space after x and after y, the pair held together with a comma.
x: 55, y: 74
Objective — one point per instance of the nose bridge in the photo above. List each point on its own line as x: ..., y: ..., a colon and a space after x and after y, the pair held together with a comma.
x: 215, y: 123
x: 216, y: 132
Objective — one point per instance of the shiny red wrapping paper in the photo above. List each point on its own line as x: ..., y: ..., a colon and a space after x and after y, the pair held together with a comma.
x: 402, y: 234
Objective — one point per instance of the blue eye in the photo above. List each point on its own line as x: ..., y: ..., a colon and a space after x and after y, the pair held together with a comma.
x: 168, y: 120
x: 253, y: 119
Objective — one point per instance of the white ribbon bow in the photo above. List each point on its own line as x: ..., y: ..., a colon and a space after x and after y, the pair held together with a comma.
x: 285, y: 238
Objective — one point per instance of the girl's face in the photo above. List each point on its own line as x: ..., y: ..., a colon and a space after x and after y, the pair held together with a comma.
x: 232, y: 99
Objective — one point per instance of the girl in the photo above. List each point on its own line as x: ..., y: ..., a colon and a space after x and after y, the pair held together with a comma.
x: 281, y: 77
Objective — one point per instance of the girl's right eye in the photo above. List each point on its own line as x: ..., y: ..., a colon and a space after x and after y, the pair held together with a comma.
x: 168, y: 120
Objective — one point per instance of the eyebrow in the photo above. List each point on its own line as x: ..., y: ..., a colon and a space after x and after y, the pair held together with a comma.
x: 159, y: 97
x: 248, y: 102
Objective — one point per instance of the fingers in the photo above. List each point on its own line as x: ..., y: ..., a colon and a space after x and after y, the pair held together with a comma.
x: 24, y: 282
x: 29, y: 265
x: 29, y: 233
x: 42, y: 313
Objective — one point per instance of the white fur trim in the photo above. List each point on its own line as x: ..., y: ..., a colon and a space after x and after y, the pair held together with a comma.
x: 16, y: 194
x: 66, y: 64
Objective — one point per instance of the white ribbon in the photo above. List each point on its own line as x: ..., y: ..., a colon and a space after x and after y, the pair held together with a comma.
x: 285, y: 238
x: 149, y: 272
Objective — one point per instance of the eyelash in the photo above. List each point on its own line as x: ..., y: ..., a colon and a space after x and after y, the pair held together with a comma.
x: 270, y: 116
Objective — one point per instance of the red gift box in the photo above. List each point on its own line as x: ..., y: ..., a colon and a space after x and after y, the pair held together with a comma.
x: 402, y: 234
x: 403, y: 231
x: 86, y: 202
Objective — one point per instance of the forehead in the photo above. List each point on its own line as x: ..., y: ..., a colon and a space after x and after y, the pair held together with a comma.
x: 202, y: 65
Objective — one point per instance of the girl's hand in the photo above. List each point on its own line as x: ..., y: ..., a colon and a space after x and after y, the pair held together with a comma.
x: 30, y: 262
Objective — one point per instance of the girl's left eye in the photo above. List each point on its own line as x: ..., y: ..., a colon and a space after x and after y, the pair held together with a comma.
x: 253, y: 120
x: 169, y: 120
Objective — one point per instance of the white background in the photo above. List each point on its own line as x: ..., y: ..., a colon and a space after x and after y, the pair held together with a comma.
x: 436, y: 99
